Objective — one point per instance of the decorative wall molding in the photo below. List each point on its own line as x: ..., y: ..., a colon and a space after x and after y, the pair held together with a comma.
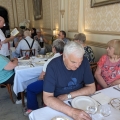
x: 96, y: 44
x: 103, y: 32
x: 103, y: 20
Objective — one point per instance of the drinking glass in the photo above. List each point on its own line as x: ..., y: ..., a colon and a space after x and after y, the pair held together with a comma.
x: 105, y: 110
x: 91, y: 110
x: 33, y: 58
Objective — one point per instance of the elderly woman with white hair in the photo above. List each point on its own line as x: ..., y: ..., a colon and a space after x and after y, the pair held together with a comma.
x: 81, y: 38
x: 26, y: 43
x: 37, y: 87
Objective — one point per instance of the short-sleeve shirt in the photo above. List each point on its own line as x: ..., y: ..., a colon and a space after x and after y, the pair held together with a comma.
x: 109, y: 71
x: 59, y: 80
x: 4, y: 74
x: 4, y: 49
x: 89, y: 54
x: 46, y: 64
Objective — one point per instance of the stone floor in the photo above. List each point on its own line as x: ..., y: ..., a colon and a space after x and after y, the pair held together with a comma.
x: 8, y: 110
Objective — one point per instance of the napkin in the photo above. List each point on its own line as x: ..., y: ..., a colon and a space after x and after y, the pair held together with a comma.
x: 101, y: 98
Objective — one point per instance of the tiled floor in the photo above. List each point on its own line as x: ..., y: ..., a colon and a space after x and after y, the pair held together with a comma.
x: 8, y: 110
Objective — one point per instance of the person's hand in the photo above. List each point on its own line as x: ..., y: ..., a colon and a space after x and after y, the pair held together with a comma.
x: 12, y: 37
x: 62, y: 97
x: 78, y: 114
x: 42, y: 75
x: 15, y: 59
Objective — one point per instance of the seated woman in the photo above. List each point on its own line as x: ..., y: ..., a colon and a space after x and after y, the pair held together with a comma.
x: 108, y: 69
x: 81, y: 38
x: 7, y: 71
x: 40, y: 38
x: 37, y: 87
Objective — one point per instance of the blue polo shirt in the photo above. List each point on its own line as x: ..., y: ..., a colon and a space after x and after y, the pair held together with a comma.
x: 4, y: 74
x: 59, y: 80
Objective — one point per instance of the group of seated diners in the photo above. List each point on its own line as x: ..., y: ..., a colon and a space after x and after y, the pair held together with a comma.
x: 67, y: 74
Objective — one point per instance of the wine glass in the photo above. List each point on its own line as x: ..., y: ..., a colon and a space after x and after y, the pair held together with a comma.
x: 33, y: 58
x: 91, y: 110
x: 105, y: 110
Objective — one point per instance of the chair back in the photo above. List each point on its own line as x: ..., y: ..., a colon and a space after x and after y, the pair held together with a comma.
x: 30, y: 52
x: 93, y: 67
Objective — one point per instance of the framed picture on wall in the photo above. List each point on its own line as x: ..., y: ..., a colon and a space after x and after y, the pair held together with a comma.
x: 37, y: 8
x: 97, y: 3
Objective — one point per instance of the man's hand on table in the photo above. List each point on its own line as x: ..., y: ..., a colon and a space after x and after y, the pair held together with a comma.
x: 78, y: 114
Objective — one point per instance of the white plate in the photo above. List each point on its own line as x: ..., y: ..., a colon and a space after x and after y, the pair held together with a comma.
x: 82, y: 102
x: 59, y: 118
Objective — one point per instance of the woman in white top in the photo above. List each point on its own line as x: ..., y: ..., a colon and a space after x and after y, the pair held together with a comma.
x: 4, y: 42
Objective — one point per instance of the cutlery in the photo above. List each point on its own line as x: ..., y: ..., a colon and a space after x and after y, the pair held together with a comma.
x: 70, y: 103
x: 95, y: 94
x: 116, y: 88
x: 94, y: 99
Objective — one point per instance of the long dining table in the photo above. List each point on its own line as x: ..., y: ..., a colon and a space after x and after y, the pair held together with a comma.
x: 48, y: 113
x: 25, y: 75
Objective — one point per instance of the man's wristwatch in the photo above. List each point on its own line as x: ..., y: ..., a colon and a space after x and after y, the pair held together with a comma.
x: 69, y: 96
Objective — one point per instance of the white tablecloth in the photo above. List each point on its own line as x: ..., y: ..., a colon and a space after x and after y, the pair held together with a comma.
x: 23, y: 77
x: 47, y: 113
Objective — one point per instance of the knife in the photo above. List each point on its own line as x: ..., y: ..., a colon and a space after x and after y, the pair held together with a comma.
x: 95, y: 94
x: 70, y: 103
x: 116, y: 88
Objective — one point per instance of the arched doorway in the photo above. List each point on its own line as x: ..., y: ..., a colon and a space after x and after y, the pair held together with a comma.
x: 6, y: 28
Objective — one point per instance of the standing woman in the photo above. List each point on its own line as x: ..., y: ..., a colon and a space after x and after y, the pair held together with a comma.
x: 108, y: 69
x: 4, y: 42
x: 39, y: 37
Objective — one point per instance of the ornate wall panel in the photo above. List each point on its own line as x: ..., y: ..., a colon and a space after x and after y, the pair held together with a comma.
x: 73, y: 14
x: 8, y: 6
x: 56, y: 14
x: 46, y: 14
x: 20, y: 6
x: 104, y: 18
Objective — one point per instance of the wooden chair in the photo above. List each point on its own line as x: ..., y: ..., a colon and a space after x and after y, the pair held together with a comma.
x: 93, y: 67
x: 30, y: 52
x: 8, y: 86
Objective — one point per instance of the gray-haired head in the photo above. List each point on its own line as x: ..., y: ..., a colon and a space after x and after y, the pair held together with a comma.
x: 74, y: 48
x: 81, y: 37
x: 27, y: 33
x: 59, y: 45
